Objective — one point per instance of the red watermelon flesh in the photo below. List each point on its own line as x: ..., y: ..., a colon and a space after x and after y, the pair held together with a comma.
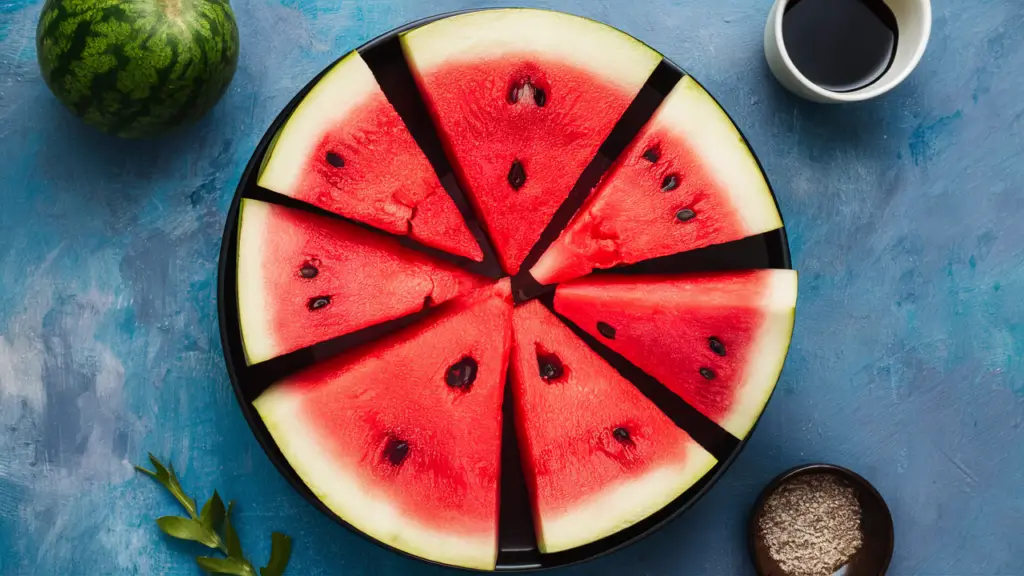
x: 345, y: 149
x: 523, y: 99
x: 402, y: 438
x: 687, y: 181
x: 597, y: 454
x: 716, y: 340
x: 304, y: 279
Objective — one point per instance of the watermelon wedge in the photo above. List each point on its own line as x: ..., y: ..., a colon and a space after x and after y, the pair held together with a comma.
x: 402, y: 438
x: 597, y: 454
x: 687, y: 181
x: 716, y: 340
x: 304, y: 278
x: 346, y: 150
x: 523, y: 99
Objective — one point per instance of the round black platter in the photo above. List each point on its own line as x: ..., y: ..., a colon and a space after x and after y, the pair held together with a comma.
x: 517, y: 545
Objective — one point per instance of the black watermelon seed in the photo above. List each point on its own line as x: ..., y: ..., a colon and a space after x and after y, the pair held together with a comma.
x: 513, y: 93
x: 716, y: 346
x: 707, y: 373
x: 670, y: 183
x: 318, y: 302
x: 309, y: 269
x: 539, y: 96
x: 622, y: 435
x: 685, y: 215
x: 606, y: 330
x: 462, y: 374
x: 550, y: 367
x: 516, y: 175
x: 335, y: 160
x: 396, y: 451
x: 652, y: 155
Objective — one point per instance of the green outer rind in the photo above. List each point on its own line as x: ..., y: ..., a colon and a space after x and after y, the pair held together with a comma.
x: 132, y: 70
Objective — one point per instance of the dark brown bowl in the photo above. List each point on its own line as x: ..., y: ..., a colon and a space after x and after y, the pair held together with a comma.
x: 876, y: 524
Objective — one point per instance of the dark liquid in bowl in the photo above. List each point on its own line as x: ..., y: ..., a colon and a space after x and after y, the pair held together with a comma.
x: 840, y: 45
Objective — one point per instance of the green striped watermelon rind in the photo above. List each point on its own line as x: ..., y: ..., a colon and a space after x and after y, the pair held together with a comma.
x: 137, y: 69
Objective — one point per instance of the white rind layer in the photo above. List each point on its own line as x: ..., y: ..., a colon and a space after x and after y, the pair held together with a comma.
x: 621, y: 506
x: 770, y: 347
x: 344, y: 89
x: 258, y: 340
x: 690, y: 112
x: 585, y: 44
x: 354, y: 500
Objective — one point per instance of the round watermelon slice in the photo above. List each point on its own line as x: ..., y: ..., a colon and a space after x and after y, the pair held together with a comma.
x: 402, y: 438
x: 304, y: 279
x: 523, y: 99
x: 598, y: 455
x: 716, y: 340
x: 687, y: 181
x: 346, y: 150
x: 379, y: 363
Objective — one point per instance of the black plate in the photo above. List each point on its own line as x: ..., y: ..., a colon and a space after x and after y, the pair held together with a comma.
x: 517, y: 547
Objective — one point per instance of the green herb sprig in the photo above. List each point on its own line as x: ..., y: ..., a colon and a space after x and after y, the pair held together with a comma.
x: 211, y: 527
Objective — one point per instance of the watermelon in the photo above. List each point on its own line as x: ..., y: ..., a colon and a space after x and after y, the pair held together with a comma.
x: 138, y: 68
x: 305, y: 278
x: 687, y: 181
x: 346, y: 150
x: 402, y: 438
x: 717, y: 340
x: 523, y: 99
x: 598, y: 456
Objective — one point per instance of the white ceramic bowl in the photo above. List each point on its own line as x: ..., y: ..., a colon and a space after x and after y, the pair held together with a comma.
x: 914, y: 23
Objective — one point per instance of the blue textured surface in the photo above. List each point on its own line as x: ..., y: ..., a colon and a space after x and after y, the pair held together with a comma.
x: 907, y: 363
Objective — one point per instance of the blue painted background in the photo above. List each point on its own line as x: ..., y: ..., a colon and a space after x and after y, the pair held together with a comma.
x: 905, y: 216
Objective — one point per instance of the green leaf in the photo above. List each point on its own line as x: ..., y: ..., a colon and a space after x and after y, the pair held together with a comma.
x: 179, y: 493
x: 225, y: 566
x: 204, y: 526
x: 212, y: 515
x: 186, y: 529
x: 280, y: 553
x: 169, y: 480
x: 231, y: 537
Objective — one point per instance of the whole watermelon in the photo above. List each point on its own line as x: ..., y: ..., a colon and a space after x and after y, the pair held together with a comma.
x: 137, y: 68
